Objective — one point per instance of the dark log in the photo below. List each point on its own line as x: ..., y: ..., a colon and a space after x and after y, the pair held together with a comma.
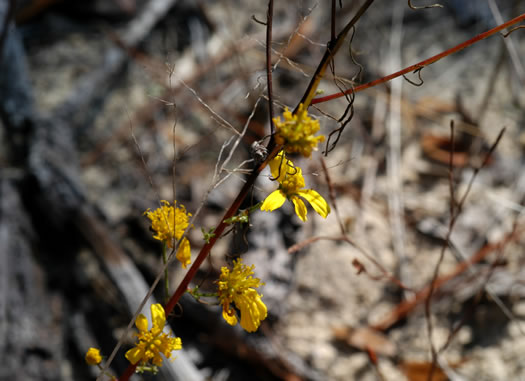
x: 31, y: 332
x: 44, y: 147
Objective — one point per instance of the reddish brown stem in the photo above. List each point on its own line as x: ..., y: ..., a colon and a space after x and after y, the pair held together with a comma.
x: 128, y: 372
x: 332, y: 49
x: 205, y: 250
x: 421, y: 64
x: 181, y: 289
x: 407, y: 306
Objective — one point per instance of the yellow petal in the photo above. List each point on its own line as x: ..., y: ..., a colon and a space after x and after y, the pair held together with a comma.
x: 274, y: 165
x: 142, y: 323
x: 184, y: 253
x: 253, y: 310
x: 316, y: 200
x: 300, y: 208
x: 158, y: 317
x: 176, y: 344
x: 274, y: 200
x: 230, y: 319
x: 263, y: 311
x: 277, y: 162
x: 134, y: 355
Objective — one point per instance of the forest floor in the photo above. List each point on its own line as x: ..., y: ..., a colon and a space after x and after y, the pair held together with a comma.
x: 337, y: 310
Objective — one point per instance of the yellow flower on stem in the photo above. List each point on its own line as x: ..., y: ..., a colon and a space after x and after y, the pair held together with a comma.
x: 93, y: 356
x: 291, y: 184
x: 296, y: 131
x: 169, y: 223
x: 239, y: 287
x: 154, y: 342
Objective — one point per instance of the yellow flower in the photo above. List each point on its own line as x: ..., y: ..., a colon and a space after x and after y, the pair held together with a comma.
x: 296, y: 132
x: 93, y: 356
x: 291, y: 184
x: 169, y: 223
x: 238, y: 286
x: 153, y: 342
x: 184, y: 253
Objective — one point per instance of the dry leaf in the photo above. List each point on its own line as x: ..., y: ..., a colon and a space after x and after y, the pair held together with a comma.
x: 419, y: 371
x: 366, y: 339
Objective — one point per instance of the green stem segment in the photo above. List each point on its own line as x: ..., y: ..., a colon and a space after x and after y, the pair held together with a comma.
x: 197, y: 294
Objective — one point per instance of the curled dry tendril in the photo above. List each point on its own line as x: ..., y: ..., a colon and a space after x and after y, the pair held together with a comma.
x: 424, y: 6
x: 505, y: 35
x: 418, y: 71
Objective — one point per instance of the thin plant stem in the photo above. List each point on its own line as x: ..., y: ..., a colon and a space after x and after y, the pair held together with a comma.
x: 452, y: 222
x: 273, y: 149
x: 422, y: 64
x: 331, y: 50
x: 269, y: 22
x: 205, y: 250
x: 166, y: 275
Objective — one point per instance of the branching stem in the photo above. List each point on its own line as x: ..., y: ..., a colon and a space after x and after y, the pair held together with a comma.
x: 423, y: 63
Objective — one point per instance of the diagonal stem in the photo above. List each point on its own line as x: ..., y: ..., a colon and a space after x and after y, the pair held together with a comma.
x: 273, y: 149
x: 331, y: 50
x: 423, y: 63
x: 205, y: 250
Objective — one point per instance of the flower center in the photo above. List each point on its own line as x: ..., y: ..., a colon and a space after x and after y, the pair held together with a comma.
x: 292, y: 183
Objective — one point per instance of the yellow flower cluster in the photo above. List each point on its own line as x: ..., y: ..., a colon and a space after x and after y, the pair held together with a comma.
x: 93, y: 356
x: 169, y: 223
x: 154, y: 342
x: 238, y: 286
x: 291, y: 184
x: 296, y: 132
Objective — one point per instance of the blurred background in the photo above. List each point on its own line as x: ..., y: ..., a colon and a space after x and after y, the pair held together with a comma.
x: 109, y: 106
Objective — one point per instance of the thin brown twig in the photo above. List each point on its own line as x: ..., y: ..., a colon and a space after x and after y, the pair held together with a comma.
x: 404, y: 308
x: 423, y: 63
x: 331, y: 195
x: 505, y: 35
x: 452, y: 222
x: 269, y: 21
x: 330, y: 52
x: 484, y: 286
x: 348, y: 114
x: 257, y: 20
x: 332, y: 22
x: 483, y: 164
x: 452, y: 205
x: 494, y: 73
x: 451, y: 169
x: 174, y: 142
